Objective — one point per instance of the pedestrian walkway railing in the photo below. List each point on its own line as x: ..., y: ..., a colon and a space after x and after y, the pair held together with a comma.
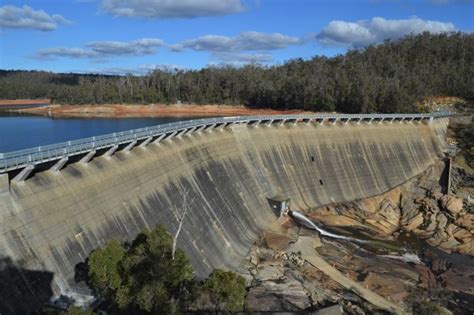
x: 42, y: 154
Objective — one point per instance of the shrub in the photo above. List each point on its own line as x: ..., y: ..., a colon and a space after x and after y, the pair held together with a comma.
x: 226, y: 290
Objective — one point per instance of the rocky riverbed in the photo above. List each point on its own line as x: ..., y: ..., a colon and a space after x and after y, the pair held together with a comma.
x: 415, y: 220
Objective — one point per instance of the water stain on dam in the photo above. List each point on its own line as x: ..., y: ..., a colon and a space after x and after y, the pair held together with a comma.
x: 230, y: 173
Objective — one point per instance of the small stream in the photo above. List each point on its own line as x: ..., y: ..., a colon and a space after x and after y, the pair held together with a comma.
x: 383, y: 248
x: 409, y: 248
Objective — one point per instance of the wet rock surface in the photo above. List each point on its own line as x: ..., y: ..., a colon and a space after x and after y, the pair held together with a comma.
x: 413, y: 219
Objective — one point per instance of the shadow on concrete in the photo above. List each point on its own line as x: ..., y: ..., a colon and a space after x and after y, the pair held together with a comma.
x: 444, y: 178
x: 23, y: 291
x: 81, y: 271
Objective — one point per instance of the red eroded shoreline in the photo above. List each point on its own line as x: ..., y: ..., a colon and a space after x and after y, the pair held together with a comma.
x: 23, y: 102
x: 158, y: 110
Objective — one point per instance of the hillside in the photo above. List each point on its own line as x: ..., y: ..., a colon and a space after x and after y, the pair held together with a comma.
x: 389, y: 77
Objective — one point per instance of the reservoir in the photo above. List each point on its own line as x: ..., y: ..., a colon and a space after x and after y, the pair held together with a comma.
x: 26, y: 131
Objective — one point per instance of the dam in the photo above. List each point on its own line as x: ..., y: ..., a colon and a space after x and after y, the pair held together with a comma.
x: 60, y: 202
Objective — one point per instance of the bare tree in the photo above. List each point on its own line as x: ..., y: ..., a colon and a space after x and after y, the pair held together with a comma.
x: 180, y: 213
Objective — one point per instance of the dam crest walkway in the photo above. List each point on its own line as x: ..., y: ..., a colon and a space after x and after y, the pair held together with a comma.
x: 21, y: 163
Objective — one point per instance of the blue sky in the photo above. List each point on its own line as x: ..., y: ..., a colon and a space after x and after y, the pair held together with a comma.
x: 134, y: 36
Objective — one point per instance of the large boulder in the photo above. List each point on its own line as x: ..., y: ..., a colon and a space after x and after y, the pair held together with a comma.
x: 467, y: 248
x: 452, y: 204
x: 270, y: 272
x: 449, y: 245
x: 427, y: 278
x: 285, y: 294
x: 460, y: 278
x: 331, y: 310
x: 276, y: 241
x: 414, y: 222
x: 442, y: 220
x: 466, y: 221
x: 463, y: 235
x: 386, y: 219
x: 386, y: 285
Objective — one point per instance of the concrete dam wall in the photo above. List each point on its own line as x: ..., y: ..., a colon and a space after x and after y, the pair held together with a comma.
x: 52, y: 221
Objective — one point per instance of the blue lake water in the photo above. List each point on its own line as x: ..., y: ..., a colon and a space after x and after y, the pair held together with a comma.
x: 21, y: 131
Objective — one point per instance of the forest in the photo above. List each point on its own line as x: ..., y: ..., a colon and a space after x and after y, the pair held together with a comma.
x: 388, y: 77
x: 151, y: 276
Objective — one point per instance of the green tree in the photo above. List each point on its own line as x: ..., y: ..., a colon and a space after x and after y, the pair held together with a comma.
x: 74, y: 310
x: 430, y: 301
x: 226, y: 290
x: 158, y: 282
x: 104, y: 268
x: 145, y: 275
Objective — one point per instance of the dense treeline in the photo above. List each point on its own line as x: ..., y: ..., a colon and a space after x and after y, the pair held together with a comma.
x: 149, y: 276
x: 389, y: 77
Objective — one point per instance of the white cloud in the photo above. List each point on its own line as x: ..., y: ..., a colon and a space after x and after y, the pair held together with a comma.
x: 261, y: 41
x: 247, y: 47
x: 144, y: 46
x: 432, y: 2
x: 247, y: 41
x: 443, y: 2
x: 27, y: 17
x: 362, y: 33
x: 65, y: 52
x: 168, y: 9
x: 104, y: 49
x: 137, y: 70
x: 238, y: 59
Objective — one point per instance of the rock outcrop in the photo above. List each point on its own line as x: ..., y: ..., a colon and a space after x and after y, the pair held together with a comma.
x: 416, y: 207
x: 452, y: 204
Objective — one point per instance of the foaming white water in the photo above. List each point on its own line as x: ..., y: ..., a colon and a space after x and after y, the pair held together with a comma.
x: 310, y: 224
x: 302, y: 219
x: 406, y: 257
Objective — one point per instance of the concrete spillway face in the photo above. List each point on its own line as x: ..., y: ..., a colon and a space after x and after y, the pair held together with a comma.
x: 52, y: 222
x: 4, y: 184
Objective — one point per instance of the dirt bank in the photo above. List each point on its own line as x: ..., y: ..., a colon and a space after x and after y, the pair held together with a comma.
x: 25, y: 101
x: 158, y: 110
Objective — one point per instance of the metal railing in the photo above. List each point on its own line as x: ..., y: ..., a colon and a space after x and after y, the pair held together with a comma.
x: 19, y: 159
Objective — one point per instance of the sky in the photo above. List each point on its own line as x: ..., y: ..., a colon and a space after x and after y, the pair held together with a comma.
x: 136, y: 36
